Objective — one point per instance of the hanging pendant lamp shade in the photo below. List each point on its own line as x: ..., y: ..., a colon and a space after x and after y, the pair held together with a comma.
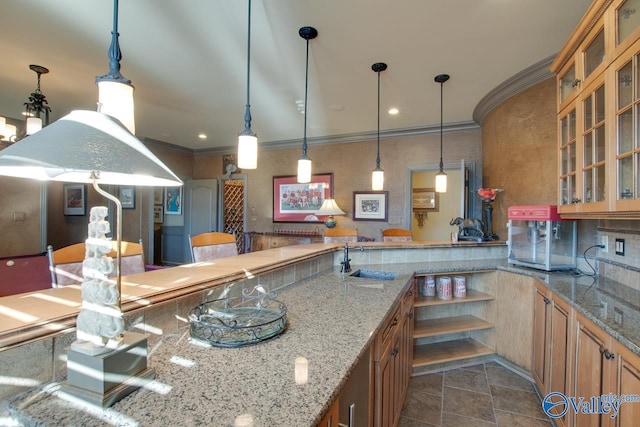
x: 37, y: 105
x: 115, y: 92
x: 441, y: 177
x: 304, y: 163
x: 247, y: 139
x: 377, y: 176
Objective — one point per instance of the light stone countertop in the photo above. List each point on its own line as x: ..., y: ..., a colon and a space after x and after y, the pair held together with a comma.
x: 332, y: 319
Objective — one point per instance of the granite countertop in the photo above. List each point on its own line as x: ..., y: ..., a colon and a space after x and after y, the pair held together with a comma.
x: 600, y: 300
x: 332, y: 319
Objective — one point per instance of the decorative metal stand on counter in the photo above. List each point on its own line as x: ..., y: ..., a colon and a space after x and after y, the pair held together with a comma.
x: 488, y: 195
x: 251, y: 318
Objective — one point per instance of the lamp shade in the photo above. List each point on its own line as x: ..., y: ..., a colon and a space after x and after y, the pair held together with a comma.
x: 329, y: 207
x: 247, y: 150
x: 34, y: 124
x: 115, y: 98
x: 304, y: 170
x: 377, y: 179
x: 441, y: 182
x: 82, y: 143
x: 3, y: 123
x: 10, y: 132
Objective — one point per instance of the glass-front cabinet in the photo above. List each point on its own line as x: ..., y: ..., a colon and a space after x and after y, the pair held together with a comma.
x: 627, y: 120
x: 593, y: 148
x: 598, y: 74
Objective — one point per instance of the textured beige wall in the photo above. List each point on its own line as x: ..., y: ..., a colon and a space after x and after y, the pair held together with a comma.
x: 351, y: 165
x: 519, y: 151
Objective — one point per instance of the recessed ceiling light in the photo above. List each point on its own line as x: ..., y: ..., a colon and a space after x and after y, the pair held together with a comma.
x: 393, y: 111
x: 202, y: 136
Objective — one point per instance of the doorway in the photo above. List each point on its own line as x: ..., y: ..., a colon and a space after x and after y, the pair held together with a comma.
x: 433, y: 225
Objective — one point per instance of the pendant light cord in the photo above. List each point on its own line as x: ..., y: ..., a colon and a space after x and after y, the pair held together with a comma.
x: 247, y: 113
x: 378, y: 155
x: 441, y: 114
x: 306, y: 88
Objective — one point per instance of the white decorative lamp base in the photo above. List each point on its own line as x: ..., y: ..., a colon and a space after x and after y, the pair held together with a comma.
x: 103, y: 379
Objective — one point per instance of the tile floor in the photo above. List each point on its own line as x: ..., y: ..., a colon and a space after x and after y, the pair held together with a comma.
x: 483, y: 395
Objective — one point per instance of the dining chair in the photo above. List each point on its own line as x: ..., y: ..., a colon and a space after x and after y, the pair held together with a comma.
x: 212, y: 245
x: 340, y: 234
x: 396, y: 235
x: 65, y: 264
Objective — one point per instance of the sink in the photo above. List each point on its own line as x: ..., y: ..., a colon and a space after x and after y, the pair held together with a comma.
x: 375, y: 274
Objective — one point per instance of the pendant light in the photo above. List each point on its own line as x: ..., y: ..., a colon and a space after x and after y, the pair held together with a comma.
x: 377, y: 176
x: 441, y: 177
x: 37, y: 105
x: 115, y: 92
x: 304, y: 163
x: 247, y: 139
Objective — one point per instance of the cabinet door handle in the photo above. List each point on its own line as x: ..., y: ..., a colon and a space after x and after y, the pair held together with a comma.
x: 410, y: 315
x: 575, y: 83
x: 395, y: 321
x: 395, y: 352
x: 606, y: 353
x: 352, y: 414
x: 546, y: 300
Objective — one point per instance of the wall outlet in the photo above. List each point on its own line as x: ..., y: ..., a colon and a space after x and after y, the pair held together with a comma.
x: 620, y: 247
x: 604, y: 241
x: 617, y: 316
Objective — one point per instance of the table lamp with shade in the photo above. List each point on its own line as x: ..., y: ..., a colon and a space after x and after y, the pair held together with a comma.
x: 92, y: 147
x: 329, y: 208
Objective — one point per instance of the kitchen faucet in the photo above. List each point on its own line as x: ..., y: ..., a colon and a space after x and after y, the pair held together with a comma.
x: 346, y: 266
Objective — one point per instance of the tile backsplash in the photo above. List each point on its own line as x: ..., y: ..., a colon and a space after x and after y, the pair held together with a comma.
x: 621, y: 268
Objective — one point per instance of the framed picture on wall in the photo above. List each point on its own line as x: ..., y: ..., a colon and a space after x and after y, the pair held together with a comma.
x: 157, y: 195
x: 75, y: 199
x: 173, y: 200
x: 127, y: 196
x: 425, y: 198
x: 294, y: 202
x: 370, y: 205
x: 158, y: 216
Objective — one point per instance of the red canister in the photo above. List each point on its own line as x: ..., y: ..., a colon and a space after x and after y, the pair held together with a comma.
x: 444, y: 287
x: 459, y: 287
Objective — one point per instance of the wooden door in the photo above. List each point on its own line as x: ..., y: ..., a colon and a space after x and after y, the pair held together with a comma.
x: 628, y: 381
x: 541, y: 318
x: 590, y: 378
x: 559, y: 353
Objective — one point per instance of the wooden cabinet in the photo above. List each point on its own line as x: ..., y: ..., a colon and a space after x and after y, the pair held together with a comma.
x: 393, y: 354
x: 261, y: 241
x: 331, y: 417
x: 628, y: 383
x: 598, y: 98
x: 454, y: 329
x: 594, y: 369
x: 604, y: 366
x: 551, y: 345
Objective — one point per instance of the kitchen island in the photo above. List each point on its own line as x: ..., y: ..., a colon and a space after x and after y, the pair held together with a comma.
x: 332, y: 322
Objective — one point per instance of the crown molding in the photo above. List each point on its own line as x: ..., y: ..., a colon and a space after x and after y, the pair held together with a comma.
x: 531, y: 76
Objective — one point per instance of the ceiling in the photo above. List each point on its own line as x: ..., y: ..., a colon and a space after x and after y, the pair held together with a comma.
x: 188, y: 60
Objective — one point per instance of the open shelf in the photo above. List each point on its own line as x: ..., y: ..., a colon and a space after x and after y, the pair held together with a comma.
x: 472, y: 295
x: 456, y: 273
x: 448, y: 351
x: 448, y: 325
